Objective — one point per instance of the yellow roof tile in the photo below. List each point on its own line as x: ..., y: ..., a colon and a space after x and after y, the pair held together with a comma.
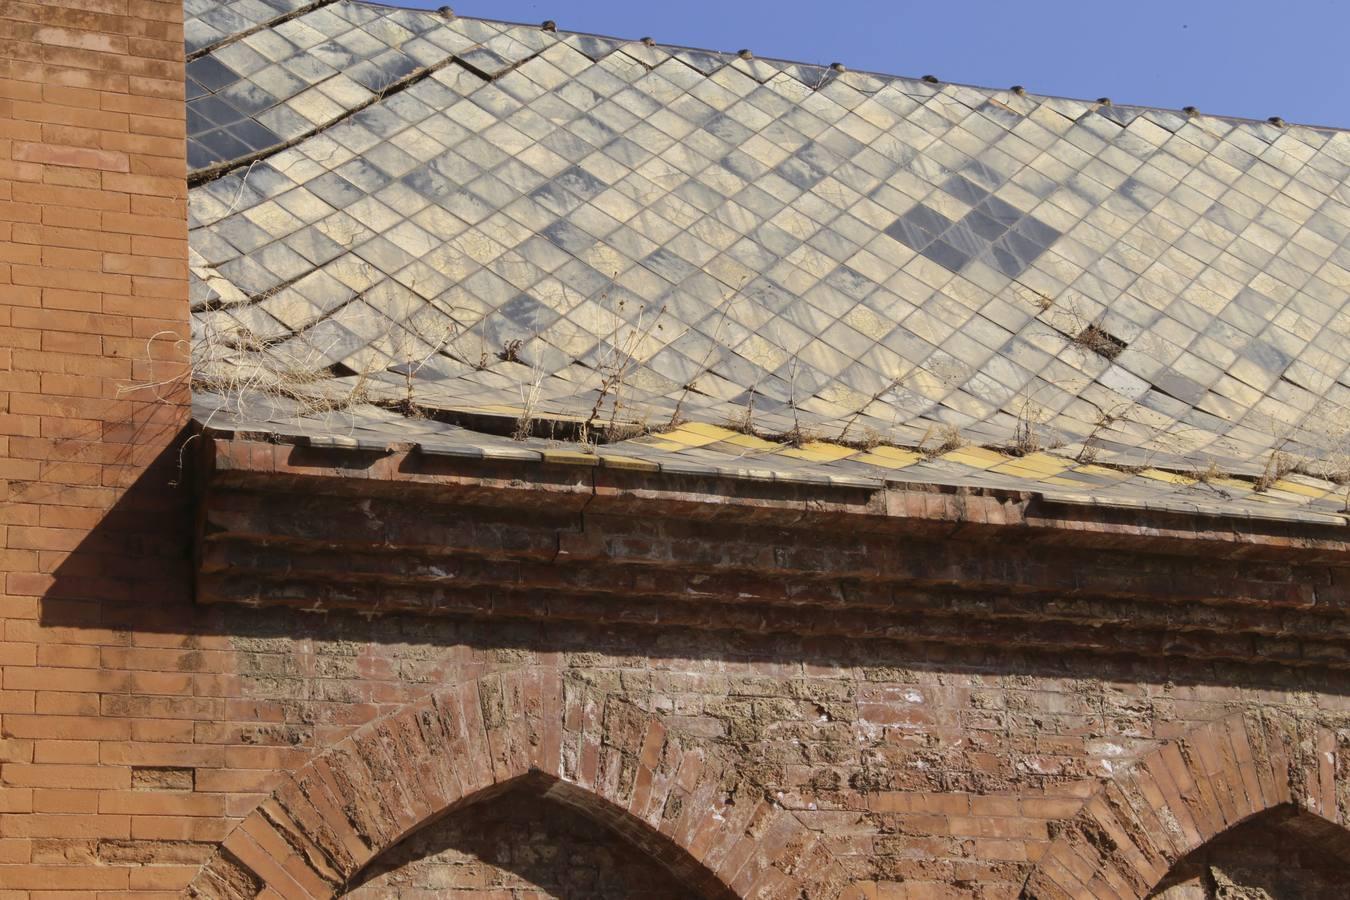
x: 1296, y: 488
x: 1168, y: 477
x: 820, y: 451
x: 1101, y: 471
x: 975, y: 457
x: 628, y: 462
x: 717, y: 432
x: 687, y: 437
x: 1020, y: 471
x: 899, y: 453
x: 571, y: 457
x: 750, y: 441
x: 1044, y: 463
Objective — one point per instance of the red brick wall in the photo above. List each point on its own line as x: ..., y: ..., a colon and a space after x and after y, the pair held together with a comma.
x: 93, y: 246
x: 920, y: 774
x: 94, y: 242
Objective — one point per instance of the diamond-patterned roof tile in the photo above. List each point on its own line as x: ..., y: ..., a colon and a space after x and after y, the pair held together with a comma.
x: 463, y: 217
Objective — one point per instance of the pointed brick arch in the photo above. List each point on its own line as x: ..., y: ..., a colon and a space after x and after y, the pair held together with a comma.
x: 1140, y: 822
x: 680, y: 802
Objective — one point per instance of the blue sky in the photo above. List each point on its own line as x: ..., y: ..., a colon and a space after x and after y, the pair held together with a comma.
x: 1239, y: 57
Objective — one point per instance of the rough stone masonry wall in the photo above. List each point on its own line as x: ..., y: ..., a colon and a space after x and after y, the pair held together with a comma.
x: 924, y: 775
x: 520, y: 847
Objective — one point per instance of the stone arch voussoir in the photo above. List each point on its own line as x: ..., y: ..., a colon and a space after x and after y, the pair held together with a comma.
x: 1132, y: 830
x: 679, y: 801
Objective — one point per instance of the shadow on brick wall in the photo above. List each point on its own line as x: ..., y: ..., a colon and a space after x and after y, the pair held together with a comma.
x: 133, y: 570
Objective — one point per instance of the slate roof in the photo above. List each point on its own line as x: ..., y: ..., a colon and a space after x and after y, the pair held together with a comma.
x: 413, y: 226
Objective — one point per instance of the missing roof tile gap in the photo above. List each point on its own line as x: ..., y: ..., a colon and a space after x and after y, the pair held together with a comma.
x: 1099, y: 341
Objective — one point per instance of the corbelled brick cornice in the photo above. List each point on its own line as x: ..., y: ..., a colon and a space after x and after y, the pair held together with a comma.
x: 397, y: 531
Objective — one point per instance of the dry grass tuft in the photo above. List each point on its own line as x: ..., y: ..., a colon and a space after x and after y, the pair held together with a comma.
x: 244, y: 369
x: 1278, y: 465
x: 615, y: 369
x: 1099, y: 341
x: 744, y: 421
x: 626, y: 431
x: 798, y: 436
x: 728, y: 300
x: 1027, y: 437
x: 944, y: 440
x: 529, y: 400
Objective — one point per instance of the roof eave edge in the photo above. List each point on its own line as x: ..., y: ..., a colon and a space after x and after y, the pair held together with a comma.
x: 260, y: 462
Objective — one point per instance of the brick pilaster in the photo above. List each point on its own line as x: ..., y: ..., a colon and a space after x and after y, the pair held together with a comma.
x: 93, y: 320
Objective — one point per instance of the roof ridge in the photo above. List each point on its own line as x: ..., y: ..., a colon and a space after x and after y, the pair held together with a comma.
x: 1184, y: 111
x: 296, y: 13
